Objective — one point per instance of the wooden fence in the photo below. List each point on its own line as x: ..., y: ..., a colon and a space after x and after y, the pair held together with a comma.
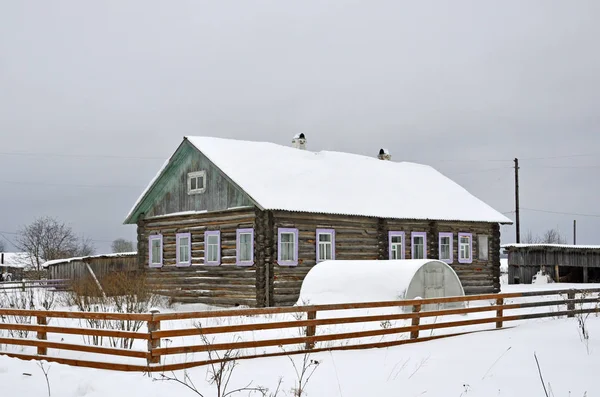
x: 29, y: 284
x: 310, y: 319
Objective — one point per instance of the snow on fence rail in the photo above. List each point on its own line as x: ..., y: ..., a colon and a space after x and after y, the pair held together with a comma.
x: 28, y: 284
x: 165, y: 339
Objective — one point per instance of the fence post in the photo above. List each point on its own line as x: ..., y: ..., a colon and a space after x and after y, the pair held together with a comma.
x: 153, y: 343
x: 570, y: 303
x: 415, y: 321
x: 42, y: 335
x: 311, y: 330
x: 499, y: 312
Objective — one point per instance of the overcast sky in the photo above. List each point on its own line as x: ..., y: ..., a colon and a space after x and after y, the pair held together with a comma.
x: 95, y: 95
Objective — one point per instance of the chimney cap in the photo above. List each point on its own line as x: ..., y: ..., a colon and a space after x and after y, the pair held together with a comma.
x: 384, y: 154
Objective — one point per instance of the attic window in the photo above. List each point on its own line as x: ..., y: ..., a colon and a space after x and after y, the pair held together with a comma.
x: 196, y: 182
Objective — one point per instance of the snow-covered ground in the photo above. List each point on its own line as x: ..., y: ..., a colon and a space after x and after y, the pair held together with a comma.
x: 499, y: 363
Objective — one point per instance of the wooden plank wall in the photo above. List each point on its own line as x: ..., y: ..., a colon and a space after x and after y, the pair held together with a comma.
x: 224, y: 285
x: 101, y: 266
x: 356, y: 238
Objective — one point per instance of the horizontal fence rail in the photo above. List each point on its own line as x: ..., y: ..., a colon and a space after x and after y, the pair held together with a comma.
x: 29, y: 284
x: 160, y: 342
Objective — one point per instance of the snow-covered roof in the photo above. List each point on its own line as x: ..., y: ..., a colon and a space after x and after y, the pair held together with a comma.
x: 16, y: 259
x: 542, y: 245
x: 83, y: 258
x: 280, y: 177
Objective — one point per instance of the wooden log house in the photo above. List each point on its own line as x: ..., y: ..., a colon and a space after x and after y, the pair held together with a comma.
x: 230, y: 222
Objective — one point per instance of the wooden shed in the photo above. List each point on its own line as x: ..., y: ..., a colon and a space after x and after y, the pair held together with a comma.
x: 564, y: 263
x: 228, y: 222
x: 82, y: 267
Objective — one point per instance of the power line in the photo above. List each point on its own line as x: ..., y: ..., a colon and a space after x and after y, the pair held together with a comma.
x: 73, y: 185
x: 16, y: 234
x: 562, y: 213
x: 10, y: 242
x: 101, y: 156
x: 483, y: 170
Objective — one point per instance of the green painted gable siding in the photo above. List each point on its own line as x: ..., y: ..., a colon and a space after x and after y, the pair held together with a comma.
x: 169, y: 194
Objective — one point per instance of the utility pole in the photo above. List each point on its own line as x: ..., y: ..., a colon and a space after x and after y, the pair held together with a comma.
x: 574, y: 231
x: 517, y: 221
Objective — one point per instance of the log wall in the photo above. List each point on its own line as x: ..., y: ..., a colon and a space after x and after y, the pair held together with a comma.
x: 267, y: 283
x: 356, y: 238
x: 224, y: 285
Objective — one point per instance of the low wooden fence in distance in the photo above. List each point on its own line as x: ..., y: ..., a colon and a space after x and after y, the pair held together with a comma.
x: 308, y: 318
x: 28, y: 284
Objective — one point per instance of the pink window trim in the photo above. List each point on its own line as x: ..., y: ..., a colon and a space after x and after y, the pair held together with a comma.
x: 392, y: 234
x: 150, y: 239
x: 412, y: 245
x: 177, y: 260
x: 287, y: 230
x: 238, y: 262
x: 470, y: 236
x: 326, y: 231
x: 212, y: 233
x: 451, y: 247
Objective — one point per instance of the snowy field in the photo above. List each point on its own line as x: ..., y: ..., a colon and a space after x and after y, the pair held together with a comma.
x: 499, y: 363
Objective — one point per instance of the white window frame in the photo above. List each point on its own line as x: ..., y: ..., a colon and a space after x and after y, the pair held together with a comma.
x: 393, y: 247
x: 179, y: 260
x: 151, y: 259
x: 294, y: 260
x: 450, y: 258
x: 239, y: 233
x: 485, y: 245
x: 330, y: 232
x: 207, y: 234
x: 193, y: 175
x: 461, y: 257
x: 412, y: 244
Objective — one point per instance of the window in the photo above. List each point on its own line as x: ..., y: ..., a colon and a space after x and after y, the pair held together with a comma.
x: 155, y: 243
x: 446, y: 249
x: 465, y: 245
x: 212, y: 248
x: 287, y: 247
x: 483, y: 247
x: 196, y: 182
x: 396, y: 245
x: 325, y: 244
x: 245, y: 247
x: 184, y: 244
x: 418, y: 248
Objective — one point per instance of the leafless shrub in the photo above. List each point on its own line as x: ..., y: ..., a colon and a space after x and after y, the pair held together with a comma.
x: 45, y: 370
x: 304, y: 372
x: 123, y: 293
x: 17, y: 299
x: 219, y: 373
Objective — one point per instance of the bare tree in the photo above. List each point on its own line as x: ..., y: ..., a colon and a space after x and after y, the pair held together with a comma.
x: 551, y: 236
x: 47, y: 239
x: 529, y: 238
x: 2, y: 246
x: 122, y: 245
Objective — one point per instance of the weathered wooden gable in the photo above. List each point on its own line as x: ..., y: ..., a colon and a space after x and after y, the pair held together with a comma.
x: 169, y: 193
